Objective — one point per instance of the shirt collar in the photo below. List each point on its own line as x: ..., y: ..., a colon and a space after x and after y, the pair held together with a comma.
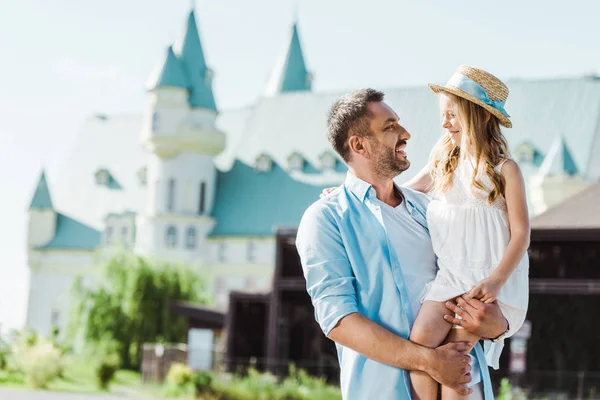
x: 362, y: 189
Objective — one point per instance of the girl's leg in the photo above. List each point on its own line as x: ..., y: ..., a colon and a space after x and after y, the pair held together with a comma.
x: 430, y: 330
x: 461, y: 335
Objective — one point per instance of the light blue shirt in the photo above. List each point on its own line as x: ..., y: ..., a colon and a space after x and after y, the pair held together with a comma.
x: 351, y: 266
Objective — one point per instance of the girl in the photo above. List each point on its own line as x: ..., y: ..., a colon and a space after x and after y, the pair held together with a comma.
x: 478, y: 219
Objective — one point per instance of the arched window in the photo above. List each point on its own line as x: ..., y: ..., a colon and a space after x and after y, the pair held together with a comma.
x: 171, y: 237
x: 190, y: 238
x: 171, y: 195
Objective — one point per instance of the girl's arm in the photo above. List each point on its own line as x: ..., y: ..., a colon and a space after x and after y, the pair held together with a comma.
x: 422, y: 182
x: 518, y: 219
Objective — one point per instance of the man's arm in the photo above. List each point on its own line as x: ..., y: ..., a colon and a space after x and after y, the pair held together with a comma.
x: 331, y: 286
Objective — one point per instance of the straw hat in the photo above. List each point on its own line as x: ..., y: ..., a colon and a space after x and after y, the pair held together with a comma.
x: 479, y: 87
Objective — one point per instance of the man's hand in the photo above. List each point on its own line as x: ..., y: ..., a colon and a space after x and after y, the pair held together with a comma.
x: 483, y: 320
x: 450, y: 366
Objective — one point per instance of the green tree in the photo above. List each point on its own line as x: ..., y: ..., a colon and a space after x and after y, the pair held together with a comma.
x: 129, y: 305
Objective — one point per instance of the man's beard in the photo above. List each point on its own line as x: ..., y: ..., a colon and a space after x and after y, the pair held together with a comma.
x: 385, y: 163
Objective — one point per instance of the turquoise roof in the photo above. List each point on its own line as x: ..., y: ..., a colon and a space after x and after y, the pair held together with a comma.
x: 292, y: 75
x: 72, y: 234
x: 270, y: 200
x: 194, y: 65
x: 41, y: 197
x: 559, y: 160
x: 172, y: 74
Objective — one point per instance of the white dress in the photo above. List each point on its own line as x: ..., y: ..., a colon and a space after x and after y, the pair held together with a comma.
x: 469, y: 238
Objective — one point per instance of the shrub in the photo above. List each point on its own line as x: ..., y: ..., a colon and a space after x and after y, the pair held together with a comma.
x: 202, y: 382
x: 179, y: 375
x: 106, y: 362
x: 40, y: 362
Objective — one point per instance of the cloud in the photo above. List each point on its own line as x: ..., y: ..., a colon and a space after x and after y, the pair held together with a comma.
x: 71, y: 68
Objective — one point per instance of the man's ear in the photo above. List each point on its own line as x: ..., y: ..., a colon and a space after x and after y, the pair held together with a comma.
x: 357, y: 145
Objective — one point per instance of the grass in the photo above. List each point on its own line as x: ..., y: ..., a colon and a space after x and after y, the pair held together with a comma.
x: 78, y: 377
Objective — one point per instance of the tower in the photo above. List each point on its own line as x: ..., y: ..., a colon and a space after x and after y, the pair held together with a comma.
x: 41, y: 226
x: 179, y: 131
x: 290, y: 73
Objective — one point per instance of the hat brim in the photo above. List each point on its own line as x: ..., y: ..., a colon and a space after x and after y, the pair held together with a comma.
x: 504, y: 121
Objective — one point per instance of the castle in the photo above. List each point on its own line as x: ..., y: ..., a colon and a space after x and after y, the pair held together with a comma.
x: 184, y: 181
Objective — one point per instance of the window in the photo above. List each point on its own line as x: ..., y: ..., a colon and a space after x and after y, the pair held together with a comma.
x: 222, y: 251
x: 251, y: 251
x: 171, y: 195
x: 296, y: 162
x: 327, y: 161
x: 263, y: 163
x: 102, y: 177
x: 154, y: 121
x: 171, y: 237
x: 108, y: 234
x: 55, y: 318
x: 190, y: 238
x: 142, y: 175
x: 202, y: 195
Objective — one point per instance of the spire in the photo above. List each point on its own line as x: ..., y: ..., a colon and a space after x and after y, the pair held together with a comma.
x: 41, y: 198
x: 290, y: 74
x: 172, y: 74
x: 194, y: 65
x: 559, y: 160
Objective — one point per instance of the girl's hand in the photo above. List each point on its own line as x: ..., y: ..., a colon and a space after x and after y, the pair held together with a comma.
x: 486, y: 291
x: 326, y: 192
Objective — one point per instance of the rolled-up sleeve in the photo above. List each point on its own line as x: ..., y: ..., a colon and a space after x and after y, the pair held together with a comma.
x: 330, y: 281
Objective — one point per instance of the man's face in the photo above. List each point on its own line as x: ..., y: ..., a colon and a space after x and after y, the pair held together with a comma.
x: 388, y: 142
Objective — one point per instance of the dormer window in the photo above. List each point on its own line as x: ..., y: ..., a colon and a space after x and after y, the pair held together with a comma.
x: 296, y: 162
x: 102, y: 177
x: 263, y: 163
x: 142, y: 175
x: 327, y: 161
x: 525, y: 153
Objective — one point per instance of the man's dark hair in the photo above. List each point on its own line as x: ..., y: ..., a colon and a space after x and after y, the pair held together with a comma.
x: 350, y: 114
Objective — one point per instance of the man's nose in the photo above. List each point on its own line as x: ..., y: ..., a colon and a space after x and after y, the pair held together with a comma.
x: 405, y: 135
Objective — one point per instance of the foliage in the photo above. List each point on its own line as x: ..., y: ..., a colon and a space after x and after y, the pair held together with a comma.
x: 202, y: 381
x: 179, y: 374
x: 106, y: 363
x: 264, y: 386
x: 130, y: 306
x: 41, y: 362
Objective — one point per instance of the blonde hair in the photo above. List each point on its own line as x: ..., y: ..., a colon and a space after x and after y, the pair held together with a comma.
x: 482, y: 137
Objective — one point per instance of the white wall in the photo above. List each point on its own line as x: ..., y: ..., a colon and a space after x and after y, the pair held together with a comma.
x: 41, y: 227
x: 52, y: 275
x: 188, y: 170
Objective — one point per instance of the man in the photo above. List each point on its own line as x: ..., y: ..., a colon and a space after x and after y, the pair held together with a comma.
x: 367, y: 255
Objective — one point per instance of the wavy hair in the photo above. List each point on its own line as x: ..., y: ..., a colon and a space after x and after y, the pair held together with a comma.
x: 483, y: 139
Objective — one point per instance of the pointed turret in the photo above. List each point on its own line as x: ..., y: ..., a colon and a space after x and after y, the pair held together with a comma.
x: 557, y: 179
x: 41, y: 198
x: 171, y: 74
x: 290, y: 74
x: 194, y: 65
x: 41, y: 226
x: 559, y: 160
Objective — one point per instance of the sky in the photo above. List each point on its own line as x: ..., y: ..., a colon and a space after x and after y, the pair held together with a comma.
x: 65, y: 60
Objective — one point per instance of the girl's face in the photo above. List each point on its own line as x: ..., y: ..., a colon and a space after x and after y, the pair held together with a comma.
x: 450, y: 121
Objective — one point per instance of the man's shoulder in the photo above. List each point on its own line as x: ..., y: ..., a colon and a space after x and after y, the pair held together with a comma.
x: 419, y: 198
x: 327, y: 205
